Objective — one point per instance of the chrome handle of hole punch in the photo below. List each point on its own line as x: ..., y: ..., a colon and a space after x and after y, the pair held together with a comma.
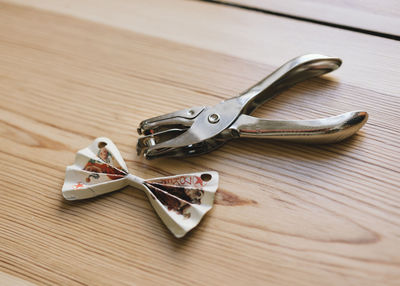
x: 325, y: 130
x: 291, y: 73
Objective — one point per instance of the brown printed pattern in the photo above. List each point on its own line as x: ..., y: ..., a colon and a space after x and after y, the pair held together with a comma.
x: 176, y: 198
x: 193, y: 181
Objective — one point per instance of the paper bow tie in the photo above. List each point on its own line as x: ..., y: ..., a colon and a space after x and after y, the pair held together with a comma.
x: 180, y: 201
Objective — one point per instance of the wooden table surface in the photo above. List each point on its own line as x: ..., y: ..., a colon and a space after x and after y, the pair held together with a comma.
x: 285, y: 214
x: 366, y: 16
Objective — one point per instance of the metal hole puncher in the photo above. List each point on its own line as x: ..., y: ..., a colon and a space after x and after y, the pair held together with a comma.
x: 199, y: 130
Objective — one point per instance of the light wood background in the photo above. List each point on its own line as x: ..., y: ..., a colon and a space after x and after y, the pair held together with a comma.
x: 285, y: 214
x: 369, y: 15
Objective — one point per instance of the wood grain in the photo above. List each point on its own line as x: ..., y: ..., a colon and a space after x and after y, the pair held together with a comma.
x: 285, y: 214
x: 381, y: 17
x: 9, y: 280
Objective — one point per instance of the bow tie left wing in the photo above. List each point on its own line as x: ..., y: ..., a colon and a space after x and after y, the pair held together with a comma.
x: 98, y: 169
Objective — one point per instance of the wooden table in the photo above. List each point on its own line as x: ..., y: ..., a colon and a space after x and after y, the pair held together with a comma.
x: 285, y: 214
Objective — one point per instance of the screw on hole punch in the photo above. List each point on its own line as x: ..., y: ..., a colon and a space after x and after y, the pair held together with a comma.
x: 213, y: 118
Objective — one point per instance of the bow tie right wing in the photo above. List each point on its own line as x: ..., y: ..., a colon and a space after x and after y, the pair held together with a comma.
x: 182, y: 201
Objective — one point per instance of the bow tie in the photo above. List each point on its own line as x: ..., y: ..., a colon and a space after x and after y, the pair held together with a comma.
x: 181, y: 201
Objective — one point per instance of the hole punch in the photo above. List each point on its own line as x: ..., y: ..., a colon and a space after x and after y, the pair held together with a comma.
x: 180, y: 134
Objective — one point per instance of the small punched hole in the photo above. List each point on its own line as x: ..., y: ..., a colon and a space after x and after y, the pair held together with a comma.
x: 102, y: 144
x: 206, y: 177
